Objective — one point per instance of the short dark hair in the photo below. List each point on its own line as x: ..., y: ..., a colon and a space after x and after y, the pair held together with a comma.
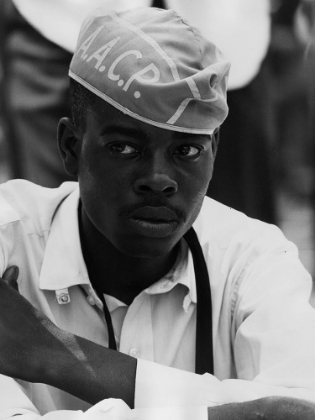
x: 81, y: 99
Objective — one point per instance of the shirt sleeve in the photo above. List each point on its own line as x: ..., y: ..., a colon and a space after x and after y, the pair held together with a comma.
x: 14, y: 403
x: 274, y: 324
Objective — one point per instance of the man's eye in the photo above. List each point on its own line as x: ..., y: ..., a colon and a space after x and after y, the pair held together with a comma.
x: 188, y: 151
x: 123, y: 149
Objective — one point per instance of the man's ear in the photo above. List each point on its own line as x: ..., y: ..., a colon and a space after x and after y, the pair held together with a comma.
x: 215, y: 141
x: 69, y: 144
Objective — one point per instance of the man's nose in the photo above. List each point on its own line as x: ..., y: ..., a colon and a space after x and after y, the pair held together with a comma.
x: 156, y: 179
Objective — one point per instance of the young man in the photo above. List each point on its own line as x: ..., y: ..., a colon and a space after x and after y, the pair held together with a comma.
x: 125, y: 258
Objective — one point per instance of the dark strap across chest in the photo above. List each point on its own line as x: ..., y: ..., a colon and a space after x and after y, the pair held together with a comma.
x: 204, y: 340
x: 160, y: 4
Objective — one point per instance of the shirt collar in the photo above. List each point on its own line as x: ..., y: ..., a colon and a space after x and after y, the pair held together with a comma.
x: 63, y: 265
x: 182, y: 273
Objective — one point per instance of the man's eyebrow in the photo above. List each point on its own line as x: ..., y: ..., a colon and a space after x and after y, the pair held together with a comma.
x: 191, y: 136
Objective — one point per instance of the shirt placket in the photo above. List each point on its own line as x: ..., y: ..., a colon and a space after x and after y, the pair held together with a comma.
x: 137, y: 333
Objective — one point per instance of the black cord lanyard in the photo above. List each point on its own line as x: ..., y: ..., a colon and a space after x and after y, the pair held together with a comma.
x: 158, y: 3
x: 111, y: 335
x: 204, y: 341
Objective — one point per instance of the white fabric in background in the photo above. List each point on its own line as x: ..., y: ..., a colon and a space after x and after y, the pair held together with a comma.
x: 240, y: 28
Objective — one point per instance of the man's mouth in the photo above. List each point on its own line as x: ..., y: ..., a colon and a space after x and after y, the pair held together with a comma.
x: 155, y: 214
x: 154, y: 221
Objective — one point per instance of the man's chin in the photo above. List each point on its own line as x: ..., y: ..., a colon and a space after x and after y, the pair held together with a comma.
x: 148, y: 247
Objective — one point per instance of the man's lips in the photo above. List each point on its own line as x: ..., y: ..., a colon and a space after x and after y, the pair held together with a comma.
x: 154, y: 214
x: 155, y: 221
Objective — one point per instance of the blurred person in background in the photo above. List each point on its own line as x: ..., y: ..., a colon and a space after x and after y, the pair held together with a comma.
x: 40, y: 37
x: 290, y: 93
x: 35, y: 95
x: 304, y: 25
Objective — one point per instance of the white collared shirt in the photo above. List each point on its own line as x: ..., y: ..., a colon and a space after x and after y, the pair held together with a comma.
x: 263, y: 326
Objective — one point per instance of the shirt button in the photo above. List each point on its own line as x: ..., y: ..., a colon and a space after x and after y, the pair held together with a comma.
x: 91, y: 300
x: 134, y: 352
x: 63, y: 299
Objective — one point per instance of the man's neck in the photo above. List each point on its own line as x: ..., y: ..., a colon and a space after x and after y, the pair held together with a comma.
x: 113, y: 273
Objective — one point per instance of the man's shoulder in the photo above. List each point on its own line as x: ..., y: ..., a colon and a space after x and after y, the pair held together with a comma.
x: 224, y: 227
x: 33, y: 205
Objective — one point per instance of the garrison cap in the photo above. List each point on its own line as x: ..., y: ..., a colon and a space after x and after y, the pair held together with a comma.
x: 152, y: 65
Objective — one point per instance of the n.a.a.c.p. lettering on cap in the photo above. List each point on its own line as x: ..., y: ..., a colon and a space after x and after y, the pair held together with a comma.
x: 153, y: 66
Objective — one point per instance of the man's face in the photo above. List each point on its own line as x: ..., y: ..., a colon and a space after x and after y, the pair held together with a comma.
x: 141, y: 186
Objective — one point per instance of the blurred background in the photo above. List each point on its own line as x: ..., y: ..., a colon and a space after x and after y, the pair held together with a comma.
x: 266, y: 160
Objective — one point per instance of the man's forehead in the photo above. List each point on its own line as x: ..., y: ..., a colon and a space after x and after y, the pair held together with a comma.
x: 153, y: 66
x: 106, y: 119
